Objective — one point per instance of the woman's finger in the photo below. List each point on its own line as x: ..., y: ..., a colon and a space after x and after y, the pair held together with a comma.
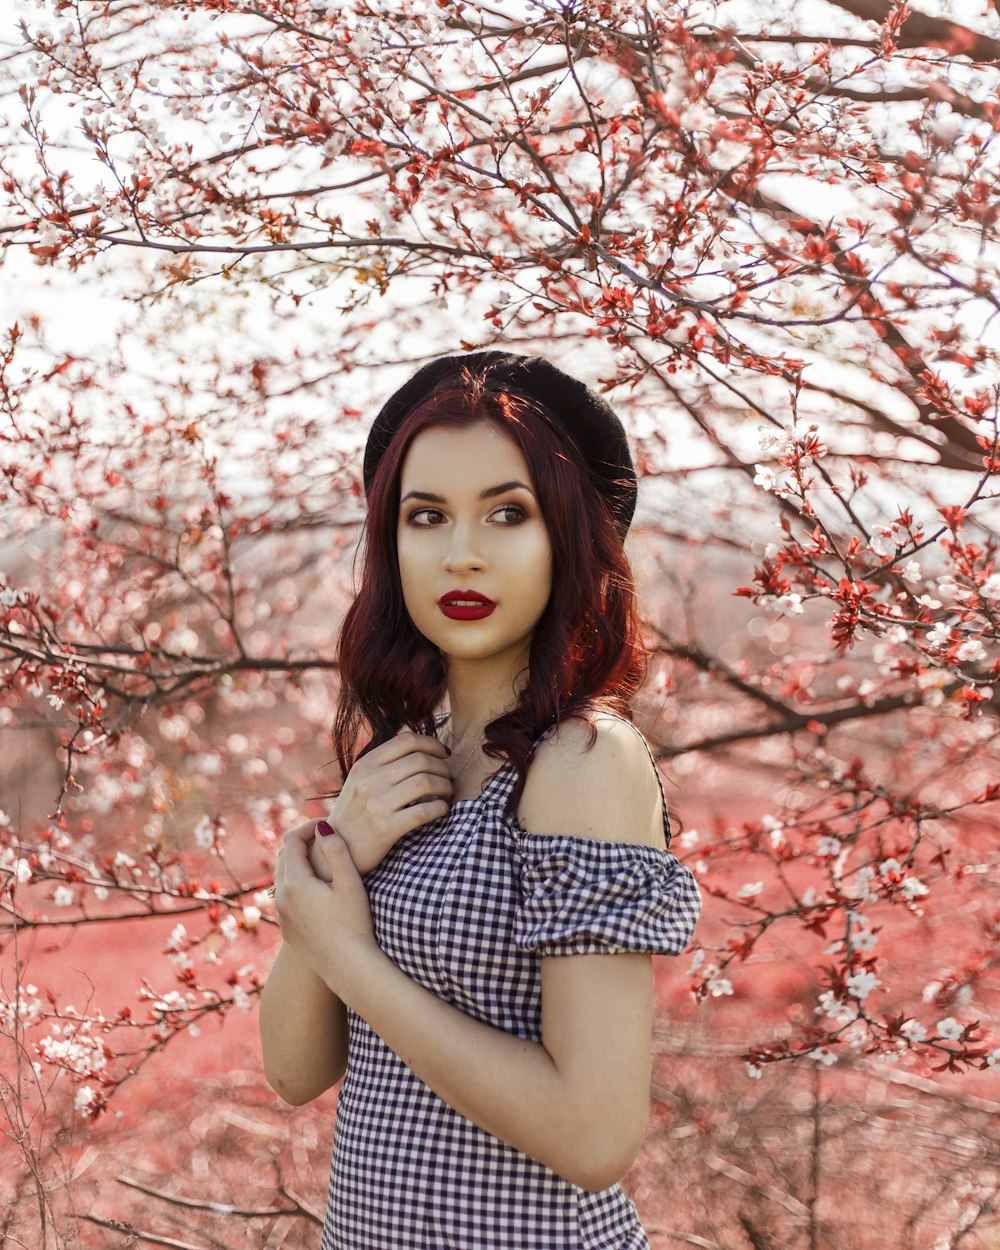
x: 421, y: 786
x: 405, y: 743
x: 415, y: 763
x: 422, y: 813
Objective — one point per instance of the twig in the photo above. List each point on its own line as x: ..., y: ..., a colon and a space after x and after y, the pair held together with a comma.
x: 120, y: 1226
x: 788, y: 1201
x: 199, y: 1204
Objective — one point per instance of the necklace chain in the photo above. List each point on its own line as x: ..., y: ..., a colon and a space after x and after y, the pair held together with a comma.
x: 465, y: 758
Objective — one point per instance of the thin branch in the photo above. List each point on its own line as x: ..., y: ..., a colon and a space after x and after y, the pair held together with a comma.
x: 217, y: 1208
x: 922, y: 31
x: 133, y: 1233
x: 795, y: 722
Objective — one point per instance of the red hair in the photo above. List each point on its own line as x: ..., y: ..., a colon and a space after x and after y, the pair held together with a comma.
x: 586, y: 650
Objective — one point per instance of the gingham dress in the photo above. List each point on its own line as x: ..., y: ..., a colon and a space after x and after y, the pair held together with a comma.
x: 467, y: 906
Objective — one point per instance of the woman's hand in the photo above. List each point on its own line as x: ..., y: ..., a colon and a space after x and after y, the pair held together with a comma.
x: 328, y: 922
x: 394, y: 789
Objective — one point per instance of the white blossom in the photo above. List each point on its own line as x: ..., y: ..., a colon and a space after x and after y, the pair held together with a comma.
x: 8, y: 597
x: 971, y: 650
x: 750, y: 890
x: 888, y: 866
x: 754, y: 1071
x: 720, y: 986
x: 84, y: 1098
x: 877, y: 546
x: 241, y: 998
x: 949, y: 1028
x: 912, y: 572
x: 912, y: 888
x: 861, y: 984
x: 204, y: 833
x: 863, y: 880
x: 993, y: 1059
x: 63, y: 896
x: 251, y: 917
x: 764, y: 477
x: 823, y: 1056
x: 772, y: 442
x: 828, y: 846
x: 837, y: 1010
x: 939, y: 635
x: 913, y: 1031
x: 990, y: 589
x: 946, y: 128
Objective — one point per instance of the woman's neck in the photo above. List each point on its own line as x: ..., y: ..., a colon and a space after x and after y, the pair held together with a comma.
x: 478, y: 694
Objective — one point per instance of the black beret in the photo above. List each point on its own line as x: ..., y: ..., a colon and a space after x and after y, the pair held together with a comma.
x: 585, y: 421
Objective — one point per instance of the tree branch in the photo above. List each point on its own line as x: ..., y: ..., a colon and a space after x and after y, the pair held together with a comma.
x: 133, y: 1233
x: 222, y: 1208
x: 922, y: 31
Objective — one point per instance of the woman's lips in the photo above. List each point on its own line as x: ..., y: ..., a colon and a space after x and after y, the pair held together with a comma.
x: 465, y: 605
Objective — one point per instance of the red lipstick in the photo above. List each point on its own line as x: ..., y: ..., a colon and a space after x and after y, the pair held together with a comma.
x: 465, y: 605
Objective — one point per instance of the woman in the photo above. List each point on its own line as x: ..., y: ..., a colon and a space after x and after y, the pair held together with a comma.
x: 487, y: 987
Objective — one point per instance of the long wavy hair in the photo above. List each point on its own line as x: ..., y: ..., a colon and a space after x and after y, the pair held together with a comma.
x: 586, y: 651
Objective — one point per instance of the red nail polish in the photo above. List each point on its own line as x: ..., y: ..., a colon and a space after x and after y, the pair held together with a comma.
x: 323, y: 829
x: 447, y: 750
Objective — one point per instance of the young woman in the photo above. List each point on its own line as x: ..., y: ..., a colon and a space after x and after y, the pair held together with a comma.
x: 469, y: 934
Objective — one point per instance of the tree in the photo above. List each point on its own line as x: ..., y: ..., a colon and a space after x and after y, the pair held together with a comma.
x: 773, y: 243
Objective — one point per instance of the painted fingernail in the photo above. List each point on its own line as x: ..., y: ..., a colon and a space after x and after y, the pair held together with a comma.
x: 324, y: 829
x: 447, y: 750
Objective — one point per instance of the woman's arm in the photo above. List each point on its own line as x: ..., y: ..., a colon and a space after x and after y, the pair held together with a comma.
x: 303, y: 1030
x: 394, y: 789
x: 577, y: 1101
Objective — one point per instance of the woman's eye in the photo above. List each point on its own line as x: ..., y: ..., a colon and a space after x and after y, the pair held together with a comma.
x: 425, y: 517
x: 510, y: 514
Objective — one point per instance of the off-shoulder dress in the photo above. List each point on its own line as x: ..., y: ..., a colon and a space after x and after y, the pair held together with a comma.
x: 467, y: 906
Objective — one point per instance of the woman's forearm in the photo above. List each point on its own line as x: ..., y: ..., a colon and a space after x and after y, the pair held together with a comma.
x: 303, y: 1030
x: 505, y: 1084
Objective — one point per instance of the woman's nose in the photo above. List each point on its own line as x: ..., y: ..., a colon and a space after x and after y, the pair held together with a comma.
x: 463, y: 551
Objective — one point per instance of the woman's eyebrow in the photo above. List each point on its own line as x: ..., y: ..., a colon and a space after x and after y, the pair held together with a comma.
x: 425, y: 495
x: 488, y: 493
x: 503, y: 488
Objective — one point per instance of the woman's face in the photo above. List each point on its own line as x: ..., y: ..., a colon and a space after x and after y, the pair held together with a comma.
x: 471, y: 535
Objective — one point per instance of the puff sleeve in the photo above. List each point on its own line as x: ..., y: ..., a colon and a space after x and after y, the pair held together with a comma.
x: 585, y: 896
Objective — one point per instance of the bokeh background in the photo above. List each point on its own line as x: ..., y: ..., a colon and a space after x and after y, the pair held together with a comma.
x: 228, y: 230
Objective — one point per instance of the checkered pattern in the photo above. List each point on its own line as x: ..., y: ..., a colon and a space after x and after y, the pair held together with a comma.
x: 467, y: 906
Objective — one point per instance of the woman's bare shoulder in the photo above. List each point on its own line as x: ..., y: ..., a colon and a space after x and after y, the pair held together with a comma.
x: 607, y: 790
